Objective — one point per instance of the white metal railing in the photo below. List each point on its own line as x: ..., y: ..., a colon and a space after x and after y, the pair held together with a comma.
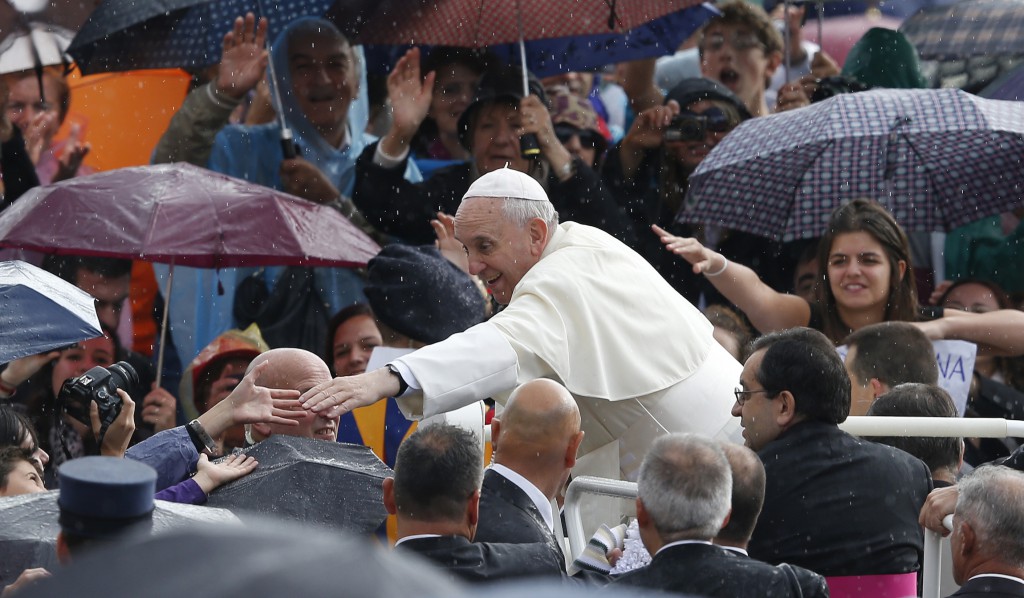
x: 856, y: 425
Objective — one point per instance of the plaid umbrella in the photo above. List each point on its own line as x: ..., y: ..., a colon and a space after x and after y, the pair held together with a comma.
x: 968, y: 28
x: 936, y: 158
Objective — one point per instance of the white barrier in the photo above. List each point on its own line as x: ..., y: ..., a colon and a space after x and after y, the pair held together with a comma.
x: 856, y: 425
x: 589, y: 485
x: 972, y: 427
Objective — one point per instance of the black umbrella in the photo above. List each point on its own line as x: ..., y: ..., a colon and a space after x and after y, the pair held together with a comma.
x: 315, y: 481
x: 28, y: 529
x: 268, y: 560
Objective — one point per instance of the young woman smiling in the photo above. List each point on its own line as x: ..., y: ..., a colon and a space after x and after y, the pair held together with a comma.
x: 864, y: 262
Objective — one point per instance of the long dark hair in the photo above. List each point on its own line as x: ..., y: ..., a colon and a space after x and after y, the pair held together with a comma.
x: 344, y: 315
x: 863, y: 215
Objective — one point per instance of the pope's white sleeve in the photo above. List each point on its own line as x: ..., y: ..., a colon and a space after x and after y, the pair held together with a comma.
x: 467, y: 367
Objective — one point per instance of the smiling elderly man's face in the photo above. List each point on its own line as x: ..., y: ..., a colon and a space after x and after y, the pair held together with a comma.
x: 500, y: 251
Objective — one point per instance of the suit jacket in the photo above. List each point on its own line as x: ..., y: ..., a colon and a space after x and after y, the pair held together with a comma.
x: 485, y: 562
x: 811, y: 584
x: 712, y: 571
x: 507, y: 514
x: 840, y: 505
x: 989, y: 587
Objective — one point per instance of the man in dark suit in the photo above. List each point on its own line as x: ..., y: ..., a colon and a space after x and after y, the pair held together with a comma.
x: 988, y: 527
x: 435, y: 495
x: 828, y: 495
x: 683, y: 497
x: 535, y: 439
x: 748, y: 481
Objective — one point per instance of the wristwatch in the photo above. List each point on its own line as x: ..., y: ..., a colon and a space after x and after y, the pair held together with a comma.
x: 203, y: 441
x: 402, y: 385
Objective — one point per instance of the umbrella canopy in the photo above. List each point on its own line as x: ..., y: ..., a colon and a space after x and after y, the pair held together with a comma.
x: 1010, y: 86
x: 273, y: 559
x: 968, y: 28
x: 123, y: 35
x: 185, y: 215
x: 311, y: 480
x: 481, y: 23
x: 28, y: 536
x: 42, y: 44
x: 565, y: 52
x: 41, y: 312
x: 936, y: 158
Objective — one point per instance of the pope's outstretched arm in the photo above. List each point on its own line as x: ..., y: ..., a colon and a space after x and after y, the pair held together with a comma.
x: 341, y: 395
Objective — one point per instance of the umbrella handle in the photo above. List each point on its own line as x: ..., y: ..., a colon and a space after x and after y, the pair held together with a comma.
x: 163, y: 325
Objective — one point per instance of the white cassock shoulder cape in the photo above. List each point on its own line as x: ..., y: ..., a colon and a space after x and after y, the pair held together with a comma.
x: 595, y: 316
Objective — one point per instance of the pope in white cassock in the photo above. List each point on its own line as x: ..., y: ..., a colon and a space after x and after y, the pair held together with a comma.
x: 582, y: 309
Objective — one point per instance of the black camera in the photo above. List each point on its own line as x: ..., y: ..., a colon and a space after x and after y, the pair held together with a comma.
x: 687, y: 127
x: 99, y: 384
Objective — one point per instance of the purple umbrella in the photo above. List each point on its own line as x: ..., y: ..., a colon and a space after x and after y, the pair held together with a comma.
x: 181, y: 214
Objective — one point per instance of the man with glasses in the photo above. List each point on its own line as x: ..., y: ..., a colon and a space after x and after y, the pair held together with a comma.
x: 841, y: 506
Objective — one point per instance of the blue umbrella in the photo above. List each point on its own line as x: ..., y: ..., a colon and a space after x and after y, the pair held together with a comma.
x: 936, y: 158
x: 123, y: 35
x: 40, y: 312
x: 582, y: 53
x: 967, y: 28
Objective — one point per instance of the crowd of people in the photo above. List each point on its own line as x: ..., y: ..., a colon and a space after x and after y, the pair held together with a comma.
x: 554, y: 286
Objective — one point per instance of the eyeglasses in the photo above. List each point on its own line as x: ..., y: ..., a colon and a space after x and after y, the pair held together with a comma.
x: 739, y: 42
x: 742, y: 396
x: 588, y: 139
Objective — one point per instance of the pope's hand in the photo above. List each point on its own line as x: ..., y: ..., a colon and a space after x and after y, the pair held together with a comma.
x: 336, y: 397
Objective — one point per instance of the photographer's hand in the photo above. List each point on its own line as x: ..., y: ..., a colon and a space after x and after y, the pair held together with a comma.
x: 115, y: 441
x: 22, y: 369
x: 647, y: 132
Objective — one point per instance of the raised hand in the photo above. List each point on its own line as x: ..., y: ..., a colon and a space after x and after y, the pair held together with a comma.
x: 409, y: 95
x: 244, y: 58
x: 690, y: 249
x: 250, y: 403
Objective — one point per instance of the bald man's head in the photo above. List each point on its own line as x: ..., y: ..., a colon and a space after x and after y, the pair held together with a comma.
x: 294, y: 369
x: 538, y: 432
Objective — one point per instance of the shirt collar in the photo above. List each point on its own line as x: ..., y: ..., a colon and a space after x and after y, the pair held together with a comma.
x: 416, y: 537
x: 538, y: 498
x: 1000, y: 575
x: 680, y: 543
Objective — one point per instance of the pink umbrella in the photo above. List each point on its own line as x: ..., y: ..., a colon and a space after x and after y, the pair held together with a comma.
x: 181, y: 214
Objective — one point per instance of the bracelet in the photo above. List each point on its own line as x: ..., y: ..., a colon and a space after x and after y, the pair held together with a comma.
x: 725, y: 265
x: 402, y: 384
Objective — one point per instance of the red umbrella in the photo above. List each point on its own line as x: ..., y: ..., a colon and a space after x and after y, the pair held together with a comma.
x: 479, y: 23
x: 181, y: 214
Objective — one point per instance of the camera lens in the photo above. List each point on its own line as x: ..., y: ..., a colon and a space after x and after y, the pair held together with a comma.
x: 124, y: 376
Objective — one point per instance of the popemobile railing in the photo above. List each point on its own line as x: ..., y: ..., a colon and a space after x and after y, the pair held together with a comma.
x: 858, y: 426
